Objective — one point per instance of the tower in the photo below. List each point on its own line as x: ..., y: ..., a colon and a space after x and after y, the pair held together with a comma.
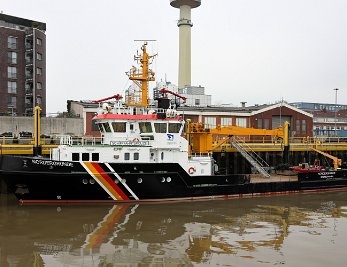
x: 184, y: 23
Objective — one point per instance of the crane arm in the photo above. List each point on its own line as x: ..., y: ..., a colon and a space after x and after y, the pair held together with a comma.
x: 236, y: 130
x: 337, y: 162
x: 117, y: 97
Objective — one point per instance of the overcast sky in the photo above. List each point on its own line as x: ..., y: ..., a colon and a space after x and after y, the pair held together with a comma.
x: 258, y: 51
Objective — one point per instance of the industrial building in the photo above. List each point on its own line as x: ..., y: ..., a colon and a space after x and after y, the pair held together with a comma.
x: 22, y: 65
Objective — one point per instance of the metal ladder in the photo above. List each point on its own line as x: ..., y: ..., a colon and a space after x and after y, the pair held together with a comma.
x: 253, y: 158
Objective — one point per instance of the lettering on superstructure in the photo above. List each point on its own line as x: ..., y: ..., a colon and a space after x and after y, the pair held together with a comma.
x: 129, y: 143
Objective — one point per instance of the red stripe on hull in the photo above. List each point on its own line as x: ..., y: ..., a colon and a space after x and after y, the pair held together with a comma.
x: 109, y: 180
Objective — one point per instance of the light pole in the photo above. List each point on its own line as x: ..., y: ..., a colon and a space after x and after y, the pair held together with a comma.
x: 336, y: 89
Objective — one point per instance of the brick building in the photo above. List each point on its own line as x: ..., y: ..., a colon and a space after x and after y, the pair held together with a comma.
x: 22, y: 65
x: 260, y: 117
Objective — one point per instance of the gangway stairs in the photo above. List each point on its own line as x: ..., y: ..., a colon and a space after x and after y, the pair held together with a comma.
x: 253, y: 158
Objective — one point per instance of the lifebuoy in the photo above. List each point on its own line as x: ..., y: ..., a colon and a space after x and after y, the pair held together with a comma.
x: 191, y: 170
x: 136, y: 140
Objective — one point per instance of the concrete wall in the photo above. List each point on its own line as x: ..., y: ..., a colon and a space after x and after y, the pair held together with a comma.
x: 49, y: 126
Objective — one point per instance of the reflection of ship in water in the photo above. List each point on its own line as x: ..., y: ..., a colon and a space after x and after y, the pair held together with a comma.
x: 175, y: 233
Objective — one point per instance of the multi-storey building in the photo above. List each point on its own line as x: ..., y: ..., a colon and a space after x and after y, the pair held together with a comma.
x: 22, y: 65
x: 328, y: 119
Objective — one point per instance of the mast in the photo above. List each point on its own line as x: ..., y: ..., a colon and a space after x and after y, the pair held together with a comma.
x: 141, y: 77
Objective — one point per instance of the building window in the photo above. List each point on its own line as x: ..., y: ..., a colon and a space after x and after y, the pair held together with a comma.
x: 197, y: 102
x: 210, y: 122
x: 303, y: 126
x: 226, y: 121
x: 38, y: 41
x: 12, y: 101
x: 266, y: 124
x: 242, y: 122
x: 38, y: 100
x: 12, y: 72
x: 12, y: 87
x: 12, y: 42
x: 39, y: 71
x: 12, y: 57
x: 260, y: 123
x: 38, y: 56
x: 297, y: 126
x: 39, y: 86
x: 136, y: 156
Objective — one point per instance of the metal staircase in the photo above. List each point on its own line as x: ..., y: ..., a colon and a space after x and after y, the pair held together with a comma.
x: 253, y: 158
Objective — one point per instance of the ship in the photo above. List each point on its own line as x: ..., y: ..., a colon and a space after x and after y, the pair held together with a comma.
x: 147, y: 152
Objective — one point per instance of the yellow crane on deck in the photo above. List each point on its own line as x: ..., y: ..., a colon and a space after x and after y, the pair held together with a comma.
x: 201, y: 137
x: 336, y: 161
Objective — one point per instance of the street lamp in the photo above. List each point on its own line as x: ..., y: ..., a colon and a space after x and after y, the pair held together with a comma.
x: 336, y: 89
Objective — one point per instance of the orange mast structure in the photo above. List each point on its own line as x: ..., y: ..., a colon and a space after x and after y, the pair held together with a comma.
x: 141, y: 77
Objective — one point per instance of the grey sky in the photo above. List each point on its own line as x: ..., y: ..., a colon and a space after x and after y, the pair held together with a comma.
x: 258, y: 51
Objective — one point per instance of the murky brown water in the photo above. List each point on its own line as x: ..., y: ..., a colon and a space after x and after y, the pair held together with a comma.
x: 294, y: 230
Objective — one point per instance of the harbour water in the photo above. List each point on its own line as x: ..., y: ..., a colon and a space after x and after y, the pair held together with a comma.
x: 288, y: 230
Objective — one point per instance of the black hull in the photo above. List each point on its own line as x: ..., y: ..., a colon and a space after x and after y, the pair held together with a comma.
x: 41, y: 180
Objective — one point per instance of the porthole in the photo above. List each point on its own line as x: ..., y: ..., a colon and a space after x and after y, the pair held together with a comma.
x: 163, y: 179
x: 124, y: 181
x: 116, y: 181
x: 92, y: 181
x: 139, y: 180
x: 84, y: 181
x: 168, y: 179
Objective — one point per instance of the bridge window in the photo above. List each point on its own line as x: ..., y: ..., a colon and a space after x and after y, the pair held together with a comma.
x: 119, y: 127
x: 136, y: 156
x: 145, y: 127
x: 107, y: 127
x: 101, y: 129
x: 126, y: 156
x: 174, y: 127
x: 160, y: 127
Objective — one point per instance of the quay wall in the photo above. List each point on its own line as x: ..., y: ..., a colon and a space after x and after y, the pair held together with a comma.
x: 49, y: 125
